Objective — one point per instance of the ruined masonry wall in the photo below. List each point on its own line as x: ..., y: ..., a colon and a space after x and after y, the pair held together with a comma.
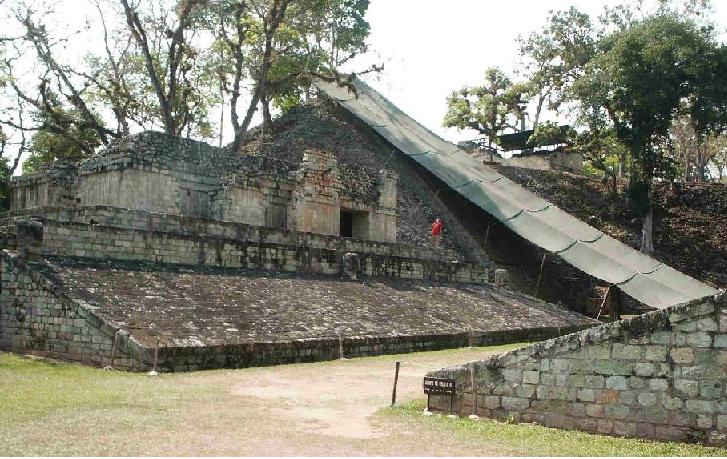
x: 662, y: 375
x: 36, y: 319
x: 98, y: 241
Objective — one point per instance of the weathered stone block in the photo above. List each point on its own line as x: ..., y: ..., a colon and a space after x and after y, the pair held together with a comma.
x: 492, y: 402
x: 627, y: 397
x: 586, y: 395
x: 722, y: 423
x: 612, y: 367
x: 625, y: 352
x: 658, y: 384
x: 710, y: 389
x: 699, y: 339
x: 720, y: 341
x: 515, y: 376
x: 701, y: 406
x: 599, y: 351
x: 514, y: 403
x: 605, y: 427
x: 531, y: 377
x: 704, y: 422
x: 595, y: 382
x: 682, y: 355
x: 686, y: 388
x: 616, y: 382
x: 647, y: 399
x: 607, y: 396
x: 616, y: 411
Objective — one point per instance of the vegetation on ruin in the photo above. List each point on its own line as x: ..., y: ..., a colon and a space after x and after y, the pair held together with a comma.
x: 535, y: 440
x: 642, y: 89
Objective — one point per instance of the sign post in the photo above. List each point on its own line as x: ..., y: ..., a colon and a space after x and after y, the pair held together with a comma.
x: 440, y: 386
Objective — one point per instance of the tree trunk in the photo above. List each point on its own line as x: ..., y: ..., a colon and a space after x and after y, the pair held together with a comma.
x: 647, y: 227
x: 622, y: 165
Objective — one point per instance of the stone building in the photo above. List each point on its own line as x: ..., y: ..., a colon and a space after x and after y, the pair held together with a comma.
x: 153, y: 172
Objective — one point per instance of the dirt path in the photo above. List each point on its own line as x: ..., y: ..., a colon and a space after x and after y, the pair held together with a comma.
x: 318, y: 409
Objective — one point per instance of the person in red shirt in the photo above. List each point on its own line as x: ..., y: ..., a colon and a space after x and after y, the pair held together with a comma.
x: 437, y: 228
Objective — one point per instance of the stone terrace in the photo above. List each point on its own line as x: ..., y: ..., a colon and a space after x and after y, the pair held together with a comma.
x: 207, y: 307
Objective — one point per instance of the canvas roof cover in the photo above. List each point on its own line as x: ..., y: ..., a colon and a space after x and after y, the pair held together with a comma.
x: 540, y: 222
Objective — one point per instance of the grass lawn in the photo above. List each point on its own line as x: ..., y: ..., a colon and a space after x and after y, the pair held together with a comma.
x: 536, y: 440
x: 321, y: 409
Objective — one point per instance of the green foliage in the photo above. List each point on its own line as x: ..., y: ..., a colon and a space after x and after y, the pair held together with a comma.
x: 489, y: 109
x: 49, y: 145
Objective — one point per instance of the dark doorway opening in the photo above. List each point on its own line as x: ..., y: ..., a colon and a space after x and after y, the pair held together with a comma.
x: 346, y: 223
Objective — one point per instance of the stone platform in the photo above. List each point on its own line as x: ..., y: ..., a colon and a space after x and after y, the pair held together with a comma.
x: 203, y: 317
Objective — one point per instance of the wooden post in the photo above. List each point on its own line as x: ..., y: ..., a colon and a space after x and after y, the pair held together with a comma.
x: 603, y: 303
x: 542, y: 266
x: 156, y: 355
x: 474, y: 394
x: 113, y: 351
x: 396, y: 380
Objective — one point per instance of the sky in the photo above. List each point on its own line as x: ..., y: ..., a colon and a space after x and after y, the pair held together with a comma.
x: 431, y: 47
x: 428, y: 47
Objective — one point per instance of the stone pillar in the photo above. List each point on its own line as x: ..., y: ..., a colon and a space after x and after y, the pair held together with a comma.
x: 29, y: 234
x: 501, y: 278
x: 351, y: 265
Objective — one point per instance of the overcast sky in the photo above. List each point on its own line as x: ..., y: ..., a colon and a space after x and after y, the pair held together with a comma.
x: 432, y: 47
x: 428, y: 47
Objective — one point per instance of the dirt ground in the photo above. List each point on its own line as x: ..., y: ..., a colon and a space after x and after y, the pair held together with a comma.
x: 320, y: 409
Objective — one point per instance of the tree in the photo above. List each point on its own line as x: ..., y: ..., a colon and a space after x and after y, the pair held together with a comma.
x: 640, y: 76
x: 488, y: 109
x: 554, y: 56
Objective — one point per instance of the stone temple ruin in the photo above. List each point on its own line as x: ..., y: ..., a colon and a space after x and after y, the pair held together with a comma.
x: 170, y: 254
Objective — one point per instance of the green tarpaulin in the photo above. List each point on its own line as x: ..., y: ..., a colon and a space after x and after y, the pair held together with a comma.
x: 540, y: 222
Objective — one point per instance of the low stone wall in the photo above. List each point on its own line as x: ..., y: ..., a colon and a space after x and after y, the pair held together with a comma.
x: 38, y: 317
x: 662, y: 375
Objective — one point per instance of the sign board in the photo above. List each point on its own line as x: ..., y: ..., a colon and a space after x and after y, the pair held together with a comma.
x: 439, y: 386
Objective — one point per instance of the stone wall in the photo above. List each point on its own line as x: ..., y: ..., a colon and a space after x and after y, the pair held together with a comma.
x: 36, y: 318
x: 661, y: 375
x: 108, y: 232
x: 154, y: 172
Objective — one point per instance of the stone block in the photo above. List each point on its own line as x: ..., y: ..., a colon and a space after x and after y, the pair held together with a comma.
x: 647, y: 399
x: 701, y: 406
x: 514, y: 376
x: 515, y: 404
x: 655, y: 353
x: 595, y: 382
x: 643, y: 369
x: 547, y: 379
x: 699, y: 339
x: 576, y: 409
x: 492, y: 402
x: 722, y: 423
x: 607, y: 396
x: 662, y: 337
x: 627, y: 397
x: 560, y: 365
x: 680, y: 418
x: 682, y: 355
x: 587, y: 424
x: 616, y: 382
x: 612, y: 367
x: 599, y: 351
x: 720, y: 341
x: 710, y: 389
x: 531, y: 377
x: 707, y: 324
x: 586, y: 395
x: 616, y: 411
x: 525, y: 390
x: 669, y: 433
x: 704, y: 422
x: 636, y: 382
x: 625, y: 429
x: 686, y: 388
x: 658, y: 384
x: 625, y: 352
x: 605, y: 426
